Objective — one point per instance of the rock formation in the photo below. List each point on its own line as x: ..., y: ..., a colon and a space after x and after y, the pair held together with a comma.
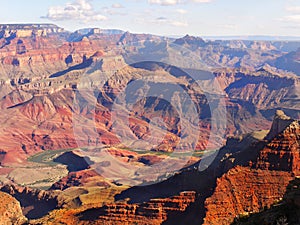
x: 34, y: 203
x: 75, y: 179
x: 10, y: 210
x: 43, y: 69
x: 41, y: 73
x: 282, y: 152
x: 237, y: 184
x: 245, y: 190
x: 285, y: 211
x: 280, y: 123
x: 155, y: 211
x: 10, y: 31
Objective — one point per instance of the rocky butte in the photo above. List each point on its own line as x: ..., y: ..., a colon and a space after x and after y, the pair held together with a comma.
x: 11, y: 31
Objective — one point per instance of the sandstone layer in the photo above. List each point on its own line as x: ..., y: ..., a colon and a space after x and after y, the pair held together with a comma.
x: 10, y: 210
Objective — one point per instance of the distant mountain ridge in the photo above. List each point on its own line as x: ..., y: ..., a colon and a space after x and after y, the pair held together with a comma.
x: 254, y: 38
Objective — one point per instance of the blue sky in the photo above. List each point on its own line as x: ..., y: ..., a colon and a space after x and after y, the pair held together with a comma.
x: 164, y: 17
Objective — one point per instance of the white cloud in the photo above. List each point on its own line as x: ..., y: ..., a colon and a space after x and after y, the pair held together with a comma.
x: 293, y: 9
x: 176, y: 2
x: 114, y: 10
x: 293, y: 15
x: 228, y: 26
x: 117, y: 6
x: 201, y: 1
x: 165, y: 21
x: 179, y: 24
x: 165, y: 2
x: 181, y: 11
x: 291, y: 18
x: 78, y: 10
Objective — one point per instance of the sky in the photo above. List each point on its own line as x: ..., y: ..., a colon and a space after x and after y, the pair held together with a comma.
x: 162, y: 17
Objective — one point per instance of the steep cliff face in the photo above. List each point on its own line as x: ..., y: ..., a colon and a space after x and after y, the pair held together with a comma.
x: 286, y: 211
x: 243, y: 190
x: 280, y: 123
x: 10, y: 210
x: 282, y: 152
x: 34, y: 203
x: 155, y: 211
x: 249, y: 189
x: 10, y: 31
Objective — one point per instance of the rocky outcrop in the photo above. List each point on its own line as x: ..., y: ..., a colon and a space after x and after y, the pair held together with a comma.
x: 34, y: 203
x: 10, y: 31
x: 250, y: 189
x: 153, y: 212
x: 75, y: 179
x: 244, y: 191
x: 190, y: 41
x: 285, y: 211
x: 280, y: 123
x: 262, y: 45
x: 10, y: 210
x: 131, y: 39
x: 111, y: 64
x: 282, y: 152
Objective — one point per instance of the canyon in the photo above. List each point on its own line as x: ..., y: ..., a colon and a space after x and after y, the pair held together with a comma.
x: 110, y: 127
x: 236, y: 185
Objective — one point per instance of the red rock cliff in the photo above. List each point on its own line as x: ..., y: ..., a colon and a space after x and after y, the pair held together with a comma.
x: 249, y: 189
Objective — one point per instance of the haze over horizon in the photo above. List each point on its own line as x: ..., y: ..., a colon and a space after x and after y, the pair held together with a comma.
x: 163, y: 17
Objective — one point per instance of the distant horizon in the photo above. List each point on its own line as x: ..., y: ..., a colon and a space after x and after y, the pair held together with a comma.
x: 250, y: 37
x: 163, y: 17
